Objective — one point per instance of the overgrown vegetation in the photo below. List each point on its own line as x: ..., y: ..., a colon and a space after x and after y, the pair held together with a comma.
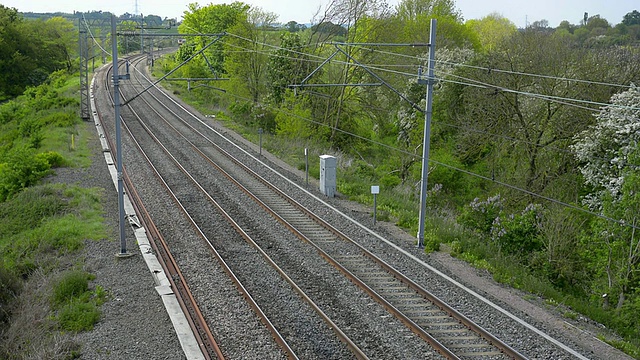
x: 531, y: 177
x: 44, y: 226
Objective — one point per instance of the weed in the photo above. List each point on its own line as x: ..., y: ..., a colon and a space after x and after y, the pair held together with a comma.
x: 431, y: 241
x: 77, y: 306
x: 570, y: 315
x: 78, y: 316
x: 625, y: 346
x: 456, y: 248
x: 72, y: 285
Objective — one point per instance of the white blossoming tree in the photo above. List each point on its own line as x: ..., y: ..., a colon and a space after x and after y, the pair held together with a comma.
x: 610, y: 155
x: 605, y: 148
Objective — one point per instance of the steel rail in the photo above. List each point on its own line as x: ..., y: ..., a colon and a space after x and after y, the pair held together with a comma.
x: 207, y: 342
x: 341, y: 335
x: 444, y: 350
x: 504, y: 348
x: 237, y: 283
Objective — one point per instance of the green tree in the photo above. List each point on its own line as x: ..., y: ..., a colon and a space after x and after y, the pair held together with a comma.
x: 516, y: 134
x: 31, y: 50
x: 492, y: 29
x: 596, y: 22
x: 411, y: 10
x: 606, y: 148
x: 631, y: 18
x: 59, y: 42
x: 247, y: 51
x: 211, y: 19
x: 15, y: 66
x: 610, y: 154
x: 288, y: 65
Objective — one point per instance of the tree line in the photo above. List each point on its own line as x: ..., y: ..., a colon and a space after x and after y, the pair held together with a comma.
x: 31, y: 50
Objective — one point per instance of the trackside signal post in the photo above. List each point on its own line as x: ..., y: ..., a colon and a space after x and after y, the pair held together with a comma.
x: 427, y: 131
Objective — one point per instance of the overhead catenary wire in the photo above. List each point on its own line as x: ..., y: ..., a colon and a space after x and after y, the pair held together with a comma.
x: 470, y: 173
x: 497, y: 70
x: 86, y: 24
x: 472, y: 83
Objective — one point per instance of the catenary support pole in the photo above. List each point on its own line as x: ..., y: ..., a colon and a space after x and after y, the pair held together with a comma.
x: 85, y: 105
x: 116, y: 105
x: 427, y: 132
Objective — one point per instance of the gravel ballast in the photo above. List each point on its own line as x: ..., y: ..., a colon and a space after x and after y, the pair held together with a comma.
x: 136, y: 326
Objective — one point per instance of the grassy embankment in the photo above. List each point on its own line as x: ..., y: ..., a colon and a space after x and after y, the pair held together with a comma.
x: 45, y: 293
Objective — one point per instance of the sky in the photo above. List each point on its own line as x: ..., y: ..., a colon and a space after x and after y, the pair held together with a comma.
x: 519, y: 12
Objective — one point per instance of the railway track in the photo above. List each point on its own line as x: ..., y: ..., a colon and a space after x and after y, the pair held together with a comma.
x: 449, y: 332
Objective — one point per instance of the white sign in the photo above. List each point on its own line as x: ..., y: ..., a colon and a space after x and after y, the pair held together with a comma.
x: 375, y: 189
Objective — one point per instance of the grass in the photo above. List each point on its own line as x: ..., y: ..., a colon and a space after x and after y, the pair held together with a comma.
x: 77, y: 307
x: 44, y: 294
x: 45, y: 220
x: 481, y: 254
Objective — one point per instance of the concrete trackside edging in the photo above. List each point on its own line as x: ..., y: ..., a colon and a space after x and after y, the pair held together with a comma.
x: 179, y: 320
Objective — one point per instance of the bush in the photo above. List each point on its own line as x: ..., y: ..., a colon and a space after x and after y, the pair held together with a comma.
x: 240, y: 109
x: 60, y: 119
x: 28, y: 209
x: 53, y: 158
x: 518, y: 233
x: 20, y: 169
x: 431, y: 241
x: 10, y: 111
x: 480, y: 215
x: 389, y: 181
x: 29, y: 127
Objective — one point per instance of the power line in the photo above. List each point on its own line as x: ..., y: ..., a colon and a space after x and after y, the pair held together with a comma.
x: 486, y: 178
x: 476, y: 83
x: 92, y: 36
x: 451, y: 81
x: 471, y: 82
x: 490, y: 69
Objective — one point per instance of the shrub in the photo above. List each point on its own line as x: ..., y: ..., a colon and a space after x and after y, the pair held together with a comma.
x: 480, y: 215
x: 28, y: 209
x: 389, y: 181
x: 29, y: 127
x: 53, y: 158
x: 518, y: 233
x: 240, y: 109
x: 20, y: 169
x: 431, y: 241
x: 10, y: 111
x: 61, y: 119
x: 457, y: 248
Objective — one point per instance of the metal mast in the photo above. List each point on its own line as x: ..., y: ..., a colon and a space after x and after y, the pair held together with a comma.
x: 427, y: 131
x: 84, y: 71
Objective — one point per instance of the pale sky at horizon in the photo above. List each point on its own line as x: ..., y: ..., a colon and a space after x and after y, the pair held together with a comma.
x: 302, y: 11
